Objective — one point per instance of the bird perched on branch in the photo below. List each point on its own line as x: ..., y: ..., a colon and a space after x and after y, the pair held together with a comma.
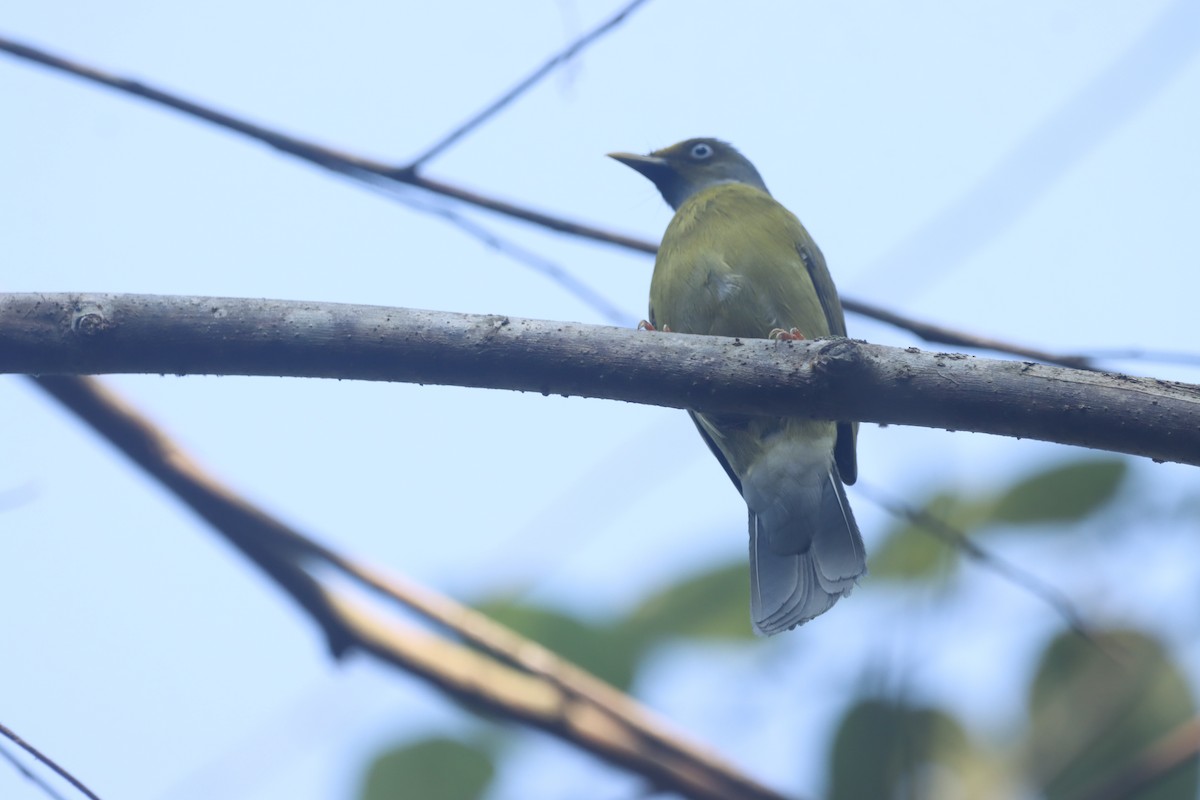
x: 734, y: 262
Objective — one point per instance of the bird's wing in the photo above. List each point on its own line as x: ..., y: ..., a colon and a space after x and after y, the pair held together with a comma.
x: 707, y: 423
x: 741, y: 264
x: 818, y: 273
x: 704, y: 426
x: 809, y: 258
x: 814, y: 263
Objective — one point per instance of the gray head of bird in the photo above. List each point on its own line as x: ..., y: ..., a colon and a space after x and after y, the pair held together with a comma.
x: 681, y: 170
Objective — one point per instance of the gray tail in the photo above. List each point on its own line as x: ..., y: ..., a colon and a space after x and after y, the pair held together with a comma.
x: 789, y: 585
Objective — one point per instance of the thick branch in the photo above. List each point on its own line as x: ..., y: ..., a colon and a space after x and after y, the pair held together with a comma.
x: 830, y: 379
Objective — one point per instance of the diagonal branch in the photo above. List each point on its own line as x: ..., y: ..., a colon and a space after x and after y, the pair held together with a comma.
x: 525, y: 85
x: 375, y: 172
x: 28, y: 774
x: 838, y: 379
x: 939, y: 334
x: 1049, y: 594
x: 344, y: 163
x: 49, y: 762
x: 541, y: 689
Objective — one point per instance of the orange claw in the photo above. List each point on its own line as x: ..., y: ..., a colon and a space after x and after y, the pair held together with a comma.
x: 646, y: 326
x: 779, y: 334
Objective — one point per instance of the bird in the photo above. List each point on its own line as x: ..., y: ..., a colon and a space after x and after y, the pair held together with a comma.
x: 735, y: 262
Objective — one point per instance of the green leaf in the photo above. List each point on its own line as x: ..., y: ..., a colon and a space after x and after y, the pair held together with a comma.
x: 914, y: 552
x: 885, y: 749
x: 432, y: 769
x: 711, y: 605
x: 608, y: 652
x: 1094, y: 709
x: 910, y: 554
x: 1064, y: 493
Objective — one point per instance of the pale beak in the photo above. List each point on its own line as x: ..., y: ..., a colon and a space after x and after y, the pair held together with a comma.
x: 650, y: 166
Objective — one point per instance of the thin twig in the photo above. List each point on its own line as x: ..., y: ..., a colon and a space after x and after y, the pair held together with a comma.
x: 525, y: 85
x: 1141, y: 354
x: 358, y: 168
x: 570, y: 702
x: 326, y: 157
x: 1048, y: 594
x: 942, y: 335
x: 556, y: 272
x: 30, y: 775
x: 49, y: 762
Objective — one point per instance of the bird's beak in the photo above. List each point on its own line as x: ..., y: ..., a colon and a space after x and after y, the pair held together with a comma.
x: 650, y: 166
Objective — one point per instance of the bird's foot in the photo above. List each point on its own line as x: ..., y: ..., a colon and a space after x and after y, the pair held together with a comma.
x: 647, y: 326
x: 781, y: 335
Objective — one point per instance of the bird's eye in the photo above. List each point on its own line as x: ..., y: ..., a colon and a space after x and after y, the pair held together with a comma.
x: 701, y: 151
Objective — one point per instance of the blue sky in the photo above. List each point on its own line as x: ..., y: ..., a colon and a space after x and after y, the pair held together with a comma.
x: 1018, y: 169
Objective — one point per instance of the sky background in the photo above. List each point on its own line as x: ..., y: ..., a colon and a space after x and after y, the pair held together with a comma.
x: 1025, y: 170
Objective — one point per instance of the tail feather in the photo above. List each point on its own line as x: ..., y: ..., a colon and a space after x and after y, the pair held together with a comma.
x: 790, y: 588
x: 839, y: 555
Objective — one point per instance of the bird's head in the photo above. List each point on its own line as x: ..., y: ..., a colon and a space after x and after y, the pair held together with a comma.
x: 681, y: 170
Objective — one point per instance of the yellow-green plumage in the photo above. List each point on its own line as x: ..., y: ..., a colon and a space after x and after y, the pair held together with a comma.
x: 734, y: 262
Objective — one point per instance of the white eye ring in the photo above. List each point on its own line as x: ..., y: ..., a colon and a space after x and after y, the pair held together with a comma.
x: 701, y: 151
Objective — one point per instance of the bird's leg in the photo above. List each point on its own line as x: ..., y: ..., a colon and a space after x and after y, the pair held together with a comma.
x: 645, y: 325
x: 781, y: 335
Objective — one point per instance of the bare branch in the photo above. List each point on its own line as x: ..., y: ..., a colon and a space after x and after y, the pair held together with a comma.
x: 525, y: 85
x: 1142, y: 354
x: 542, y: 690
x: 49, y: 762
x: 831, y: 379
x: 609, y: 310
x: 29, y: 775
x: 378, y: 173
x: 938, y: 334
x: 340, y: 162
x: 1049, y: 594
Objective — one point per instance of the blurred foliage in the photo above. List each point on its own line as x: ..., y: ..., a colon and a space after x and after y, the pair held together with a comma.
x: 1065, y: 493
x: 610, y: 652
x: 711, y: 605
x: 432, y: 769
x: 886, y: 748
x: 1060, y: 494
x: 910, y: 552
x: 1095, y: 705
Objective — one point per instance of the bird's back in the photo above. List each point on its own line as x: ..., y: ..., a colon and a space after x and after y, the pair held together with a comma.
x: 734, y: 262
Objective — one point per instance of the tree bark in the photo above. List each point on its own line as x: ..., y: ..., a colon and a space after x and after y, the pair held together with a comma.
x: 838, y: 379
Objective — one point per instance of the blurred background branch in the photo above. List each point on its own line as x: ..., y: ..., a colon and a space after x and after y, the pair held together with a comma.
x: 35, y: 779
x: 543, y: 691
